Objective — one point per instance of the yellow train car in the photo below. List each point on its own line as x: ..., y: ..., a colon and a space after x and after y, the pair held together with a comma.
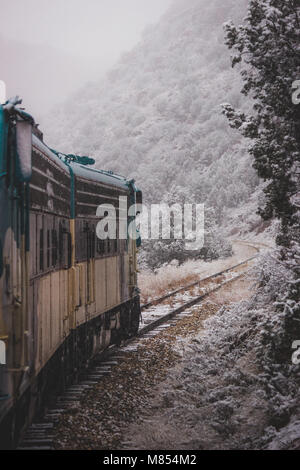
x: 65, y: 293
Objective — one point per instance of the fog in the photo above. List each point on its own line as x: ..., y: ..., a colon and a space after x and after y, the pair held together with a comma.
x: 50, y: 48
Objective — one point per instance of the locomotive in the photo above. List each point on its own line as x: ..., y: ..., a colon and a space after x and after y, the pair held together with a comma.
x: 65, y: 294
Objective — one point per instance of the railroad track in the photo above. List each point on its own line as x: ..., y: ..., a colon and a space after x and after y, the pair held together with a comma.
x: 39, y: 436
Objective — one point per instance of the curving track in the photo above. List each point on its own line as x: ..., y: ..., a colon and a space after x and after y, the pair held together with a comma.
x: 160, y: 313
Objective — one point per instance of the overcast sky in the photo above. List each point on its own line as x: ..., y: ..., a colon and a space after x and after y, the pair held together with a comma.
x: 99, y: 29
x: 51, y: 48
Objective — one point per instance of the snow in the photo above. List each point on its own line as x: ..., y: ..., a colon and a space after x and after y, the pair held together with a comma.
x: 229, y: 391
x: 24, y: 147
x: 153, y: 285
x: 160, y: 120
x: 286, y: 438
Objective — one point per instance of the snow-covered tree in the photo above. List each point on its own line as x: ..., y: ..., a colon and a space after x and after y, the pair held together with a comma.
x: 267, y: 47
x: 156, y: 116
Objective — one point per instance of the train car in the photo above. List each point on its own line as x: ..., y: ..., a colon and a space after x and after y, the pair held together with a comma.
x: 65, y: 293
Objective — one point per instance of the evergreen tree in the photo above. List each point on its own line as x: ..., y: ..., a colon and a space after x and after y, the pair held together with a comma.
x: 267, y: 49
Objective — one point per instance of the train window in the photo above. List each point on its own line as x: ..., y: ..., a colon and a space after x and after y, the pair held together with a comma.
x: 69, y: 241
x: 100, y: 246
x: 92, y: 242
x: 89, y: 245
x: 115, y: 243
x: 54, y: 247
x: 48, y: 249
x: 65, y: 247
x: 41, y: 250
x: 61, y: 243
x: 113, y: 246
x: 84, y: 240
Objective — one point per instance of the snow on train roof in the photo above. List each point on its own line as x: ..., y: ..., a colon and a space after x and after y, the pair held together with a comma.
x: 82, y: 171
x: 36, y: 142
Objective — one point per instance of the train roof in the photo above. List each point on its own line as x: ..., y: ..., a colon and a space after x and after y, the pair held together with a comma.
x: 39, y: 145
x: 79, y: 165
x: 99, y: 176
x: 82, y: 171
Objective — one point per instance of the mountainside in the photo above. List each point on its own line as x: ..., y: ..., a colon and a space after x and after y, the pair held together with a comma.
x: 157, y: 117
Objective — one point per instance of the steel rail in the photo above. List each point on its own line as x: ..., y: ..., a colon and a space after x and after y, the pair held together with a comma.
x: 158, y: 300
x: 40, y: 435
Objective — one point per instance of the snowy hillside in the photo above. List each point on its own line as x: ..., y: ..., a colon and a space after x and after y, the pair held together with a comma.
x: 156, y: 117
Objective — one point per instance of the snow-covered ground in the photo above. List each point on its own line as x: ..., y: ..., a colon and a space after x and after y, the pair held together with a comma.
x: 172, y: 276
x: 209, y: 381
x: 176, y: 301
x: 229, y: 391
x: 204, y: 403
